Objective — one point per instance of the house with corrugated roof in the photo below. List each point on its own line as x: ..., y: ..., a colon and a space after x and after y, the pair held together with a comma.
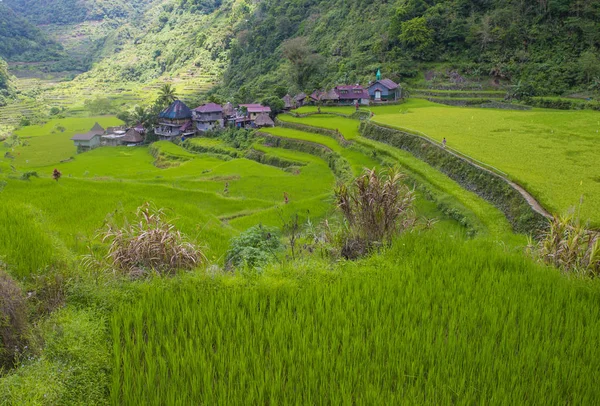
x: 90, y: 140
x: 175, y: 121
x: 208, y: 117
x: 247, y: 114
x: 384, y: 90
x: 352, y: 94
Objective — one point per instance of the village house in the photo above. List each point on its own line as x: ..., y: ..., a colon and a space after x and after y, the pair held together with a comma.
x: 247, y: 114
x: 208, y: 117
x: 228, y: 111
x: 132, y: 138
x: 254, y: 110
x: 175, y: 121
x: 325, y: 97
x: 352, y: 94
x: 384, y: 90
x: 263, y: 120
x: 113, y: 136
x: 300, y: 99
x: 89, y: 140
x: 288, y: 102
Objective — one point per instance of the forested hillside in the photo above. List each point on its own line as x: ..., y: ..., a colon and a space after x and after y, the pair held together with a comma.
x: 76, y: 11
x: 553, y: 45
x: 5, y: 85
x: 22, y: 41
x: 550, y: 47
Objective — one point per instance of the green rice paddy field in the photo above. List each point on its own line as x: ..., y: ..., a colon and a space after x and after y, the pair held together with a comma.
x: 552, y: 153
x: 438, y: 318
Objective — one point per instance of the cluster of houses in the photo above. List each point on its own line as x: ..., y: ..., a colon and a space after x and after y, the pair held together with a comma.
x: 112, y: 136
x: 179, y: 121
x: 382, y: 90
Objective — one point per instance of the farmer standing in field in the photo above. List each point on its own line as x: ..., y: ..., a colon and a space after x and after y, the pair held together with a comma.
x: 444, y: 142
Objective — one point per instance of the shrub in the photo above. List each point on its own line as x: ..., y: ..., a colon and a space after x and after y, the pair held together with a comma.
x: 29, y: 174
x: 254, y: 248
x: 376, y: 207
x: 569, y: 245
x: 13, y: 320
x: 150, y: 243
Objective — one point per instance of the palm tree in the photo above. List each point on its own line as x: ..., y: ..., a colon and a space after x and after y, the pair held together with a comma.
x: 167, y: 94
x: 139, y: 115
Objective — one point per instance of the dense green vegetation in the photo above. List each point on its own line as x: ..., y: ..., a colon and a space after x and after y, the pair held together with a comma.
x: 6, y: 87
x: 22, y: 41
x: 442, y: 303
x: 76, y: 11
x: 552, y: 46
x: 434, y: 320
x: 407, y: 323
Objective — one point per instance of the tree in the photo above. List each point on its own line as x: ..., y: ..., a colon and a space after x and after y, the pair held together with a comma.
x: 275, y: 103
x: 140, y: 115
x: 589, y: 64
x: 303, y: 60
x: 416, y: 33
x: 166, y: 94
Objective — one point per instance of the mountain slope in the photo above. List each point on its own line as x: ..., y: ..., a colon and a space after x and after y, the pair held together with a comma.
x: 22, y: 41
x: 76, y: 11
x: 5, y: 83
x: 553, y: 45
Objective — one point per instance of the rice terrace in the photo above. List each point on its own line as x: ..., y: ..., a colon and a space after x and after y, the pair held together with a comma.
x: 241, y: 203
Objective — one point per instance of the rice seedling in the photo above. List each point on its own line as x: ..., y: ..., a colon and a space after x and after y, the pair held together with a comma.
x: 433, y: 320
x: 551, y: 153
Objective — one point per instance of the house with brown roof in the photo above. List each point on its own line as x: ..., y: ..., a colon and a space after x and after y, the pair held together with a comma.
x: 352, y: 94
x: 208, y: 117
x: 90, y: 140
x: 228, y: 111
x: 263, y: 120
x: 132, y: 138
x: 288, y: 102
x: 300, y: 99
x: 254, y: 110
x: 247, y: 114
x: 383, y: 90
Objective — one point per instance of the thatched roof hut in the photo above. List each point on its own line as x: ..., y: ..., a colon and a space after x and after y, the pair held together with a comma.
x: 132, y: 137
x: 330, y: 96
x: 228, y: 110
x: 288, y: 102
x: 263, y: 120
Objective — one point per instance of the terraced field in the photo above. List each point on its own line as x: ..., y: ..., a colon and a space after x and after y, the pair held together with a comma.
x: 551, y: 153
x: 205, y: 329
